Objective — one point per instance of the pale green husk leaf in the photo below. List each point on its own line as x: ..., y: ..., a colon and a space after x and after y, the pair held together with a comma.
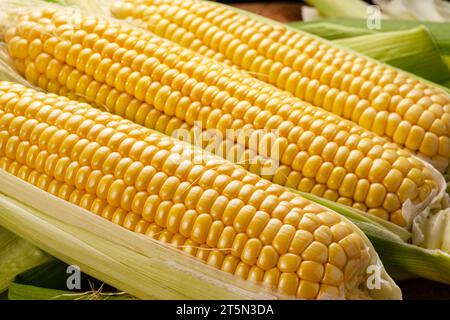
x: 16, y: 256
x: 411, y: 50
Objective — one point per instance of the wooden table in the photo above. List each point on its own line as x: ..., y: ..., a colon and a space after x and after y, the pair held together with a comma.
x: 291, y: 11
x: 279, y: 10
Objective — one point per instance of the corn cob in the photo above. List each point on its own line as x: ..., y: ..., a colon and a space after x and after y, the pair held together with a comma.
x: 163, y: 86
x: 153, y: 184
x: 392, y: 104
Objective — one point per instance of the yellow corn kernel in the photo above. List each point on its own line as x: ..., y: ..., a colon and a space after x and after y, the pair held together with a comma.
x: 307, y: 289
x: 311, y: 271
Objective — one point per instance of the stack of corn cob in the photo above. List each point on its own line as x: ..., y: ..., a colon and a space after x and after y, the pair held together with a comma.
x: 227, y: 217
x: 165, y: 87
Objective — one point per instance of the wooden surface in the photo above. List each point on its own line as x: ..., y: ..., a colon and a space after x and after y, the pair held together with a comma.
x: 291, y: 11
x: 281, y: 11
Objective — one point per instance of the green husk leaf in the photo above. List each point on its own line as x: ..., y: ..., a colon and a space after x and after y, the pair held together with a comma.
x: 19, y: 291
x: 48, y: 282
x: 61, y: 2
x: 446, y: 59
x: 26, y: 292
x: 332, y: 31
x: 16, y: 256
x: 439, y: 30
x: 411, y: 50
x: 341, y: 8
x: 52, y: 274
x: 412, y: 260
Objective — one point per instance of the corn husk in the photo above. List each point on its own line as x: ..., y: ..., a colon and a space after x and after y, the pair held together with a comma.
x: 341, y: 8
x: 16, y: 256
x: 412, y: 50
x: 332, y: 31
x: 424, y: 10
x: 440, y: 31
x: 48, y: 281
x: 446, y: 59
x: 19, y: 291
